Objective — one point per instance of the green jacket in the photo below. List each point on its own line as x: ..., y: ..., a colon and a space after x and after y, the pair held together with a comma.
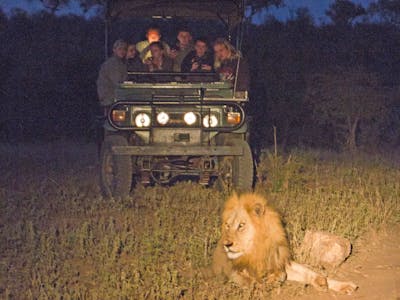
x: 112, y: 72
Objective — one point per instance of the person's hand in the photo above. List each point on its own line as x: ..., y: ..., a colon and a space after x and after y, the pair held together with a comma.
x: 173, y: 53
x: 195, y: 66
x: 148, y: 61
x: 206, y: 67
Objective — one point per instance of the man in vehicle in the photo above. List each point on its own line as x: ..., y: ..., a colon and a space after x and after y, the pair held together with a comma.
x: 200, y: 59
x: 183, y: 46
x: 133, y: 62
x: 112, y: 72
x: 153, y: 34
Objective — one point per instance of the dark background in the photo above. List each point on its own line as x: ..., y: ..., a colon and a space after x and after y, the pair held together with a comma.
x: 49, y: 65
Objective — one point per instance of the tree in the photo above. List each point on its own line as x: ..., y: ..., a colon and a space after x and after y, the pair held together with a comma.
x: 343, y: 12
x: 343, y: 98
x: 388, y: 10
x: 259, y: 5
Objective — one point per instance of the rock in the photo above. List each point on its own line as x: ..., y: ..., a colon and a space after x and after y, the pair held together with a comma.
x: 325, y: 249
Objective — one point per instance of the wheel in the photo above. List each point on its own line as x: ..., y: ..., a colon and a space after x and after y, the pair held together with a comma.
x: 116, y: 170
x: 237, y: 171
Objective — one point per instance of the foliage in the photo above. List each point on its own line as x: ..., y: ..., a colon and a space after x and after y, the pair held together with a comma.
x: 60, y: 240
x: 343, y: 12
x: 343, y: 98
x: 389, y: 10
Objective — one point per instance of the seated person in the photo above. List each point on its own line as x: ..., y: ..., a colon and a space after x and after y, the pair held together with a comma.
x: 183, y: 46
x: 226, y: 64
x: 159, y: 61
x: 153, y: 34
x: 200, y: 59
x: 112, y: 72
x: 133, y: 62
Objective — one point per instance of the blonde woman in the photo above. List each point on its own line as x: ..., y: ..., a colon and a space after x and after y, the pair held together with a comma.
x: 226, y: 63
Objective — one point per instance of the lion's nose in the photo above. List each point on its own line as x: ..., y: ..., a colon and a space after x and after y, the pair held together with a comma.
x: 228, y: 243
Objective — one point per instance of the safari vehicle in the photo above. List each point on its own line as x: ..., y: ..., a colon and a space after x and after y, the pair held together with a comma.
x: 175, y: 127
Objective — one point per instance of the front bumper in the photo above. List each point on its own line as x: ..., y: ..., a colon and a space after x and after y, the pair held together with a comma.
x: 178, y: 150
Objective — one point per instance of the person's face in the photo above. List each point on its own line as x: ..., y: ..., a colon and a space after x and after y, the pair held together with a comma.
x: 221, y: 51
x: 131, y: 52
x: 120, y: 51
x: 156, y: 52
x: 200, y: 48
x: 184, y: 38
x: 153, y: 36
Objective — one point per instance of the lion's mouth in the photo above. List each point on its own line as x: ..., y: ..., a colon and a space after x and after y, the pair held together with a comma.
x: 232, y: 254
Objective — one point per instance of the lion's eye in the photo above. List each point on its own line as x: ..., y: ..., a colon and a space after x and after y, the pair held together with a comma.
x: 241, y: 226
x: 227, y: 226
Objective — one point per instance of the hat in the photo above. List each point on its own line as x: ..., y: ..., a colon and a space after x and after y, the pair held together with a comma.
x: 120, y: 43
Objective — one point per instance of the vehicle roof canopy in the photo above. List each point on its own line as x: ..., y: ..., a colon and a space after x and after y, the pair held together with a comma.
x: 231, y: 11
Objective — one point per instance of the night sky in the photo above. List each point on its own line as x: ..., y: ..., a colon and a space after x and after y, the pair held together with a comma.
x: 317, y: 7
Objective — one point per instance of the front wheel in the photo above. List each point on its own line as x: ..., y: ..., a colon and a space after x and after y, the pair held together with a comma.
x: 115, y: 170
x: 237, y: 172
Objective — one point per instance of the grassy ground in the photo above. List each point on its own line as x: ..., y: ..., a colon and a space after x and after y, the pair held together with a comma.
x: 59, y: 239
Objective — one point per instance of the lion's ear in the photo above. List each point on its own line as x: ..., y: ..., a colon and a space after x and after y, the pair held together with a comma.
x: 258, y: 209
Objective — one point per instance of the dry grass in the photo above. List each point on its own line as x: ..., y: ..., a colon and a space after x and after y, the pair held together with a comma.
x: 59, y: 239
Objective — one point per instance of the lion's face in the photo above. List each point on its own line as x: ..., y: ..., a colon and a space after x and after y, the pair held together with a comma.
x: 238, y: 233
x: 242, y: 225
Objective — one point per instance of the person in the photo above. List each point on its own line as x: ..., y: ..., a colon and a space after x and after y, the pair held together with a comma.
x: 182, y: 48
x: 133, y: 62
x: 112, y: 72
x: 226, y: 64
x: 159, y: 61
x: 153, y: 34
x: 200, y: 59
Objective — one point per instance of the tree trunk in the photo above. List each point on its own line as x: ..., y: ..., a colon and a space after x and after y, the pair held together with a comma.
x: 351, y: 139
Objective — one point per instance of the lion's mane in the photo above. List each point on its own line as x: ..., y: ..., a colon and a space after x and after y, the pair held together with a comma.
x: 269, y: 253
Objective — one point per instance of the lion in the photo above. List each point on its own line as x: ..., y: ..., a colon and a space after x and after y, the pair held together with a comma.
x: 254, y: 246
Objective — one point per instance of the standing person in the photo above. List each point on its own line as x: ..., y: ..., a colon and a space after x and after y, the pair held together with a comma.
x: 159, y: 61
x: 153, y: 34
x: 226, y: 64
x: 133, y: 62
x: 182, y: 48
x: 200, y: 59
x: 112, y: 72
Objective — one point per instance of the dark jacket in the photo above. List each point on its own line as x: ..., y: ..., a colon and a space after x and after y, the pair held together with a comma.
x: 135, y: 65
x: 112, y: 72
x: 180, y: 56
x: 167, y: 65
x: 227, y: 72
x: 191, y: 58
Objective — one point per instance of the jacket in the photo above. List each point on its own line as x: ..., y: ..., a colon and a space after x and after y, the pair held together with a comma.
x: 112, y: 72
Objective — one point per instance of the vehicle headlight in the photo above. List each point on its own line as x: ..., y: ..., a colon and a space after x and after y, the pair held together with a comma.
x: 142, y: 120
x: 190, y: 118
x: 210, y: 121
x: 162, y: 118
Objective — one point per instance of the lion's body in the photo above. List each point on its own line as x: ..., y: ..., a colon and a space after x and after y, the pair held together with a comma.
x: 254, y: 246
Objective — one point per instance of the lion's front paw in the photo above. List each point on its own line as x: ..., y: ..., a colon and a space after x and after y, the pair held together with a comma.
x: 277, y: 277
x: 343, y: 287
x: 348, y: 288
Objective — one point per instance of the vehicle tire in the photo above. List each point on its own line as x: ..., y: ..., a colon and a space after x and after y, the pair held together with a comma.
x: 115, y: 170
x: 238, y: 171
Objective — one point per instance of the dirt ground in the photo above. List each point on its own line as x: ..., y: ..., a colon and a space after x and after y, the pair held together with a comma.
x: 374, y: 266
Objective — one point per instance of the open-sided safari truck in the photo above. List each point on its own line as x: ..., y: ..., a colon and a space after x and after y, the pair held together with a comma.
x: 174, y: 127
